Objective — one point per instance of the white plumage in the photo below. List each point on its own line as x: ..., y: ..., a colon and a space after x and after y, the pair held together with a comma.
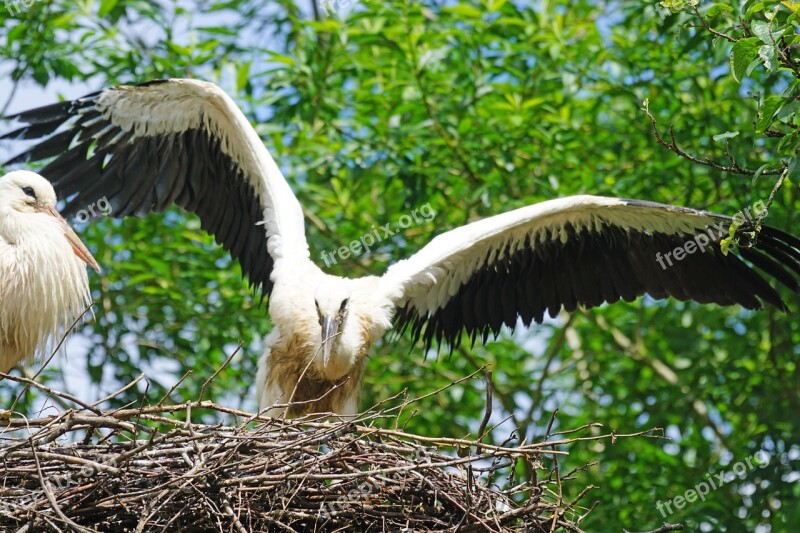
x: 43, y: 282
x: 185, y: 142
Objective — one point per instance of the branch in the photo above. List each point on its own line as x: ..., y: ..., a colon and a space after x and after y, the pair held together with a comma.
x: 672, y: 146
x: 711, y: 30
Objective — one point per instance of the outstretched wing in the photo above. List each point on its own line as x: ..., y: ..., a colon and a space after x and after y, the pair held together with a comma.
x: 184, y: 142
x: 580, y: 250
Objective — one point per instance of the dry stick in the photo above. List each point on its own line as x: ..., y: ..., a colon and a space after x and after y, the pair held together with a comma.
x: 215, y: 374
x: 579, y: 497
x: 580, y: 428
x: 488, y: 413
x: 290, y: 403
x: 120, y: 391
x: 358, y: 475
x: 440, y: 389
x: 75, y: 460
x: 41, y: 369
x: 123, y: 413
x: 175, y: 386
x: 50, y: 497
x: 466, y: 512
x: 147, y: 412
x: 47, y: 390
x: 648, y: 434
x: 552, y: 351
x: 152, y: 503
x: 556, y: 471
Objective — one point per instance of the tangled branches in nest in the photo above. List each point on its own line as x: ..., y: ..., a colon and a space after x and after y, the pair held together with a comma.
x: 153, y: 469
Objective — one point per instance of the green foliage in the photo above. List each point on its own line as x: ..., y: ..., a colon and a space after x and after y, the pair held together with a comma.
x: 475, y: 107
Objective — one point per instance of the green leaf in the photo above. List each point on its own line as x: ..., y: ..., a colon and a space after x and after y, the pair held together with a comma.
x: 730, y: 240
x: 765, y: 32
x: 678, y: 5
x: 16, y: 32
x: 106, y: 6
x: 788, y: 110
x: 768, y: 54
x: 280, y: 58
x: 743, y: 53
x: 219, y: 30
x: 763, y: 168
x: 725, y: 136
x: 716, y: 9
x: 766, y: 113
x: 243, y: 75
x: 326, y: 25
x: 496, y: 5
x: 465, y: 10
x: 788, y: 144
x: 755, y: 8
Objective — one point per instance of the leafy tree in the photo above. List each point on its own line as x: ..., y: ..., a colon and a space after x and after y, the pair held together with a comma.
x: 474, y: 107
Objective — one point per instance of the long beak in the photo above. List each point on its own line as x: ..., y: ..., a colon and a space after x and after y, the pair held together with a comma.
x: 77, y: 245
x: 328, y: 333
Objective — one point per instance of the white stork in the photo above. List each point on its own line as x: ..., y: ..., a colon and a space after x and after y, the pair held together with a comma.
x: 43, y: 282
x: 186, y: 142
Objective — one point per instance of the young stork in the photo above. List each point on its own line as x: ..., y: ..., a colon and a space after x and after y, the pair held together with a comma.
x: 43, y: 282
x: 185, y: 142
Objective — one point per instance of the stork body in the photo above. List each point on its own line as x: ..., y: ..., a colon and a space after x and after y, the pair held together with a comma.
x: 185, y: 142
x: 299, y: 366
x: 43, y: 283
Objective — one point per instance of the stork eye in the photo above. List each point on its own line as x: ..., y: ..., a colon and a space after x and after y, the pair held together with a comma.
x: 344, y: 304
x: 29, y: 192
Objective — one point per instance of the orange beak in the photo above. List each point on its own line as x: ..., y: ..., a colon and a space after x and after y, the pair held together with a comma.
x: 77, y: 245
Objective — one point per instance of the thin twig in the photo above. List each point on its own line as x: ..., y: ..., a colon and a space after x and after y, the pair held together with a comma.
x: 672, y: 146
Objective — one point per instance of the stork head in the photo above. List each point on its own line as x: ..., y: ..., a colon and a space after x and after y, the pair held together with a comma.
x: 333, y: 306
x: 29, y: 199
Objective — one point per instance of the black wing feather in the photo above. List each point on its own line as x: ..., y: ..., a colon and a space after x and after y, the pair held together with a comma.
x: 147, y: 174
x: 594, y: 267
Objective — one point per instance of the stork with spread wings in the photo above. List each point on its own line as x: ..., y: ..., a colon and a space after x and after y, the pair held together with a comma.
x: 186, y: 142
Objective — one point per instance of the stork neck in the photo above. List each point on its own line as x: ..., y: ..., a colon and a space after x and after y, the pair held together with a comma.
x: 340, y: 363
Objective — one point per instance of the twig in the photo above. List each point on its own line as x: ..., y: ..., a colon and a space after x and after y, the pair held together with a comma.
x: 53, y: 354
x: 216, y: 373
x: 488, y: 413
x: 709, y: 29
x: 672, y: 146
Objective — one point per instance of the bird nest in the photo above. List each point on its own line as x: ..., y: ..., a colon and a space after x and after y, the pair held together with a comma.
x: 153, y: 469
